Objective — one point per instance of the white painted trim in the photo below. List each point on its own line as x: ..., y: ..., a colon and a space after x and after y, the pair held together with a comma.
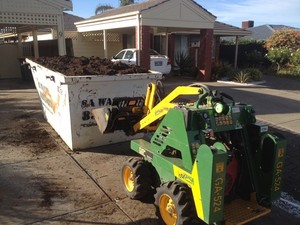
x: 61, y: 36
x: 88, y: 21
x: 111, y: 24
x: 105, y: 43
x: 138, y: 47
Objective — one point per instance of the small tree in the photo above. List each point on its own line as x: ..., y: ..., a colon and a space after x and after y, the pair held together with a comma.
x: 284, y: 38
x: 102, y: 8
x: 279, y: 56
x: 126, y: 2
x: 283, y: 47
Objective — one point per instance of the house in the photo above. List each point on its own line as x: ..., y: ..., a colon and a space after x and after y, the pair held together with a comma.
x: 19, y: 16
x: 169, y: 26
x: 263, y: 32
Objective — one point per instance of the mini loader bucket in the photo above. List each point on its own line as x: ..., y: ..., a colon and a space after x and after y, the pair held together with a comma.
x: 122, y: 114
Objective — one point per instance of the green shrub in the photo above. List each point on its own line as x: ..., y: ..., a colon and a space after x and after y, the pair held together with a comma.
x: 291, y: 71
x: 254, y: 73
x: 295, y: 58
x: 254, y: 58
x: 221, y: 70
x: 295, y: 71
x: 279, y: 56
x: 242, y: 77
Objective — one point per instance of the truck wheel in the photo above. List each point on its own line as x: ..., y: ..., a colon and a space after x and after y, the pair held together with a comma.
x: 173, y: 203
x: 136, y: 178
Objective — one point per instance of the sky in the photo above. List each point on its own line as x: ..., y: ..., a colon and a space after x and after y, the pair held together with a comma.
x: 232, y: 12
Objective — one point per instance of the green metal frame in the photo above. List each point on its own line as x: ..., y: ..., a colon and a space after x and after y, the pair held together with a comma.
x: 178, y: 150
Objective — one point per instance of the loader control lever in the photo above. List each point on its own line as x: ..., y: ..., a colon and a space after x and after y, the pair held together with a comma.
x: 228, y: 97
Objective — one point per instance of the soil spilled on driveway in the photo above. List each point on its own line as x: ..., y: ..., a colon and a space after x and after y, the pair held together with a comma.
x: 28, y: 132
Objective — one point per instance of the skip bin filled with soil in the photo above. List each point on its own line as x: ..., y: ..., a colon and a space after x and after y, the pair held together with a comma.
x: 68, y: 96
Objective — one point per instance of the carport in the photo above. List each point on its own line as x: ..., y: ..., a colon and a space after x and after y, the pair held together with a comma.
x: 19, y: 16
x: 143, y: 20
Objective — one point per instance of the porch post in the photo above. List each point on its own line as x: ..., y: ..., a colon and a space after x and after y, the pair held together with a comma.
x: 35, y: 44
x: 205, y: 59
x: 217, y: 50
x: 236, y: 51
x: 20, y: 47
x: 105, y: 43
x: 167, y: 43
x: 171, y: 48
x: 137, y: 41
x: 61, y: 36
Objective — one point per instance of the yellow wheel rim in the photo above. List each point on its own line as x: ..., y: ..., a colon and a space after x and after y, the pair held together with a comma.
x: 128, y: 178
x: 167, y: 209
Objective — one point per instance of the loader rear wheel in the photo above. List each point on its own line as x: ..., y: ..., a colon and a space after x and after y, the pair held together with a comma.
x: 174, y: 204
x: 136, y: 178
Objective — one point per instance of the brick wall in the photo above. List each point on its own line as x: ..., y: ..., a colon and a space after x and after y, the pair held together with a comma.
x: 144, y: 45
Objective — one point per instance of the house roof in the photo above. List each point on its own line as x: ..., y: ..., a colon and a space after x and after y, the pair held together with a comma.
x: 223, y: 29
x: 69, y: 21
x: 278, y: 27
x: 137, y: 7
x: 262, y: 32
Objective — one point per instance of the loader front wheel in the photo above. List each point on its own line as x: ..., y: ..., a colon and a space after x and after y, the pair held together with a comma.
x: 136, y: 178
x: 173, y: 203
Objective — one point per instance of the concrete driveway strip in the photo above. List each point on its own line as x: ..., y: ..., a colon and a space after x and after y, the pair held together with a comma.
x: 42, y: 184
x: 39, y: 182
x: 277, y: 101
x: 278, y: 107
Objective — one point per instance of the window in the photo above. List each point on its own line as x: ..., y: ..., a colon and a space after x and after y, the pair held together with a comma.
x: 129, y: 55
x: 120, y: 55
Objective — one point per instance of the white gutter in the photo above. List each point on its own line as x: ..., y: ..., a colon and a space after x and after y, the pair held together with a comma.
x: 106, y: 18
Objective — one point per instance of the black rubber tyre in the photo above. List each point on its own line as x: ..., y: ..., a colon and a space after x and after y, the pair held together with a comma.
x: 136, y: 178
x: 174, y: 204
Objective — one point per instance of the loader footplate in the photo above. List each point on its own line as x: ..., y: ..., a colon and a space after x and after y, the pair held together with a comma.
x: 239, y: 212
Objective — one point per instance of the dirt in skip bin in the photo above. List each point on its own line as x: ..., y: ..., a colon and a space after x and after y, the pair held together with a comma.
x: 78, y: 66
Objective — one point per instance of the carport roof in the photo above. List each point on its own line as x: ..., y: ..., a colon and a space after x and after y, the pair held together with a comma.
x: 223, y: 29
x: 22, y: 16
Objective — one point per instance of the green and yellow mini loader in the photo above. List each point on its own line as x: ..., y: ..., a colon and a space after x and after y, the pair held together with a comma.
x: 207, y: 159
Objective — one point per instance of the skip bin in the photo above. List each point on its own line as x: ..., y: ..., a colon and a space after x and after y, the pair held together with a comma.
x: 67, y: 102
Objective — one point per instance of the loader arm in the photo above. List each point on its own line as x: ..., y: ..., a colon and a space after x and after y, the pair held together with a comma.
x: 161, y: 109
x: 134, y: 114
